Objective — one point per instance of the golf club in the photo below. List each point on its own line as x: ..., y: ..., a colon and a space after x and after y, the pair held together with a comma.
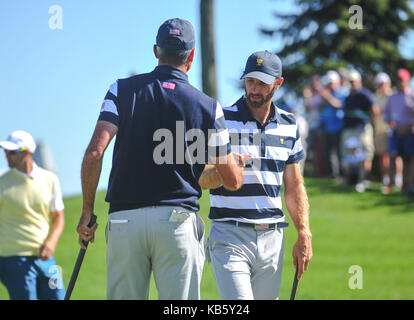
x: 295, y: 285
x: 78, y: 263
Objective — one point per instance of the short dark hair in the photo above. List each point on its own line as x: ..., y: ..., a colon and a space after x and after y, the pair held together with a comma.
x: 173, y: 57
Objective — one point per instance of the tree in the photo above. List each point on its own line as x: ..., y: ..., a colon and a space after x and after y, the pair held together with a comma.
x: 330, y: 34
x: 208, y: 60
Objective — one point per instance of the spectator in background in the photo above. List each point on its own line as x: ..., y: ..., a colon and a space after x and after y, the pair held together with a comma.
x: 331, y: 123
x: 344, y: 87
x: 29, y: 195
x: 381, y: 128
x: 302, y: 126
x: 353, y: 162
x: 399, y: 114
x: 357, y: 122
x: 312, y: 101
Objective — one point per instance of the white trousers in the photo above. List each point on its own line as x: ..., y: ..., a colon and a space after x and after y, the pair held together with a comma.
x: 247, y: 264
x: 167, y: 241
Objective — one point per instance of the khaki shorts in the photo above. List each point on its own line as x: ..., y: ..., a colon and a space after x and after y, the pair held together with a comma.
x: 381, y: 143
x: 381, y: 130
x: 365, y: 134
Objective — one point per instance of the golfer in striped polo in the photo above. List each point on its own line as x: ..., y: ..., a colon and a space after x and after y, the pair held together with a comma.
x: 246, y: 238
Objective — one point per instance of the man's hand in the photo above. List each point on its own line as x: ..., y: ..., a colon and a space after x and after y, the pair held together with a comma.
x: 46, y: 250
x: 302, y: 252
x: 241, y: 159
x: 85, y: 233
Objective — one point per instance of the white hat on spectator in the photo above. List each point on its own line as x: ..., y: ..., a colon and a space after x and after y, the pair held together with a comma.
x: 354, y: 75
x: 331, y: 76
x: 382, y: 77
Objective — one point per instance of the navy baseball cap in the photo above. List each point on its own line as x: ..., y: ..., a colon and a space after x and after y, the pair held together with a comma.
x: 263, y: 65
x: 179, y: 29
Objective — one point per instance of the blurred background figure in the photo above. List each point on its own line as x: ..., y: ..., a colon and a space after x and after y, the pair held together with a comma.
x: 399, y: 114
x: 29, y: 196
x: 381, y: 128
x: 331, y: 118
x: 353, y: 163
x: 357, y: 121
x: 43, y: 157
x: 303, y: 127
x: 344, y: 87
x: 312, y: 102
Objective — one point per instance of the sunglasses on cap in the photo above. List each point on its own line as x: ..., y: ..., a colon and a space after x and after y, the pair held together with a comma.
x: 13, y: 152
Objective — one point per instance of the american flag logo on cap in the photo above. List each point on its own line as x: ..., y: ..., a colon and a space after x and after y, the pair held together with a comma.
x: 175, y: 32
x: 168, y: 85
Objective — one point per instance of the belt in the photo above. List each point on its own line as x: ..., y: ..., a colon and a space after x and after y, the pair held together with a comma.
x: 258, y: 227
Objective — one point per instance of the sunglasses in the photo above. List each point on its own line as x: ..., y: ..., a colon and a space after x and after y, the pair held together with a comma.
x: 13, y: 152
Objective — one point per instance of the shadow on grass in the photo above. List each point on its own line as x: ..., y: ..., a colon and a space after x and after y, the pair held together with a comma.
x: 372, y: 197
x: 397, y: 203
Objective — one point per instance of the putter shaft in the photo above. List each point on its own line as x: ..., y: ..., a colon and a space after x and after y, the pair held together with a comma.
x: 78, y: 263
x: 294, y: 286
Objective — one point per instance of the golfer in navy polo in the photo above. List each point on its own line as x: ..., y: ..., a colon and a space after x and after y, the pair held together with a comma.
x: 246, y: 240
x: 165, y: 131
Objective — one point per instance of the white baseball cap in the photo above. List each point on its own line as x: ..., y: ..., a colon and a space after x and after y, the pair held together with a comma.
x: 382, y: 77
x: 354, y: 75
x: 331, y: 76
x: 19, y: 141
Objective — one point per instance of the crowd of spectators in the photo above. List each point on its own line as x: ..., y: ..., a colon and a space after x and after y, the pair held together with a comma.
x: 348, y: 127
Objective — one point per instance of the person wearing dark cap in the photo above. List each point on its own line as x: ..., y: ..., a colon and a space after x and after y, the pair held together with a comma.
x: 399, y: 113
x: 153, y: 224
x: 246, y: 241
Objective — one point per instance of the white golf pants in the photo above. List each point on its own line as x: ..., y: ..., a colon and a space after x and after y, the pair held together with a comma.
x: 165, y: 240
x: 247, y: 264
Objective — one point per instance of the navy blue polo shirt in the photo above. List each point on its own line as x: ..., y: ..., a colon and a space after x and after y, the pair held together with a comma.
x: 166, y: 129
x: 357, y: 108
x: 272, y: 146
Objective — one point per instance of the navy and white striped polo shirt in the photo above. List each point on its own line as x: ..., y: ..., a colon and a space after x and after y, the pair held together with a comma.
x: 153, y: 110
x: 272, y: 147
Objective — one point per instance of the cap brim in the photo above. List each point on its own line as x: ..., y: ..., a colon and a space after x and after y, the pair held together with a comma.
x: 264, y: 77
x: 9, y: 145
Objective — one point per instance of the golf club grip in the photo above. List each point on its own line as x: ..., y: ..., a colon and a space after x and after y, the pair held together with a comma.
x: 78, y: 263
x: 295, y: 285
x: 91, y: 223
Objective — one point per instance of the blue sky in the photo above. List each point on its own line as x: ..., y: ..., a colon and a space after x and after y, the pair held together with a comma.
x: 53, y: 81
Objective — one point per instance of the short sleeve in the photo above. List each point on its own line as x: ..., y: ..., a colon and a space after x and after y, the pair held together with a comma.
x: 109, y: 108
x: 57, y: 199
x: 297, y: 153
x: 219, y: 138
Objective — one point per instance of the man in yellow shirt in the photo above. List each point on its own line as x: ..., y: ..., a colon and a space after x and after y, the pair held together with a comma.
x: 29, y: 195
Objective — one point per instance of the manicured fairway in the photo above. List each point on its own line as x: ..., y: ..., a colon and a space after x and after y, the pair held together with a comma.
x: 369, y: 230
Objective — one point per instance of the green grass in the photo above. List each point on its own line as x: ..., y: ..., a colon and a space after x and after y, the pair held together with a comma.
x: 370, y: 230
